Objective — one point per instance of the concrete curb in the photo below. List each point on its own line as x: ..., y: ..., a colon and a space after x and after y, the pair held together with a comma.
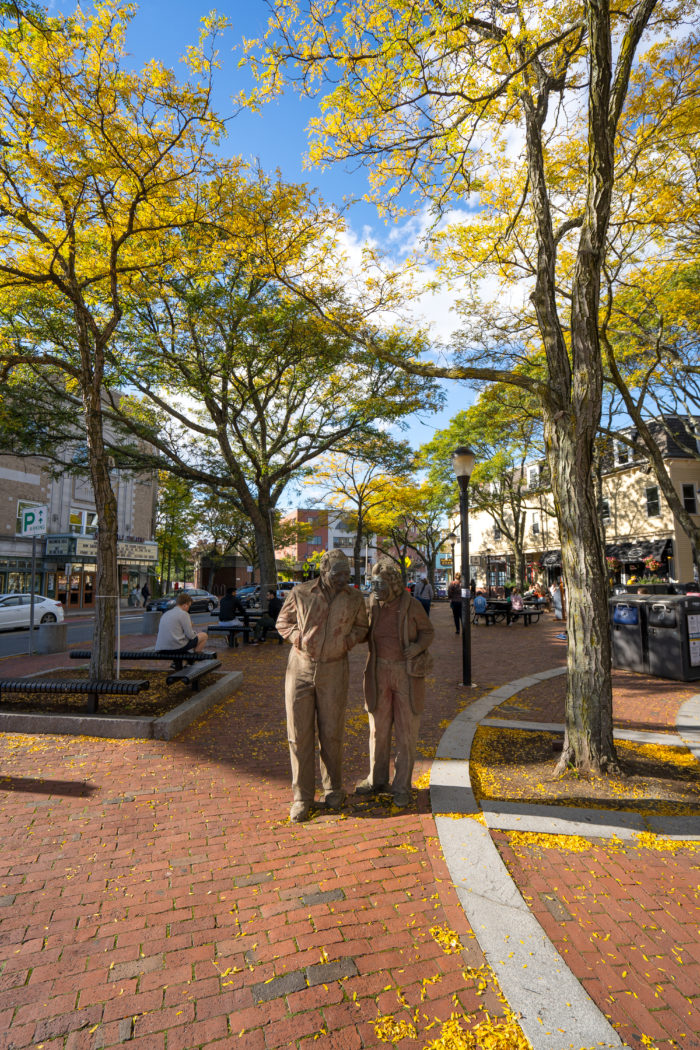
x: 163, y: 728
x: 554, y: 1010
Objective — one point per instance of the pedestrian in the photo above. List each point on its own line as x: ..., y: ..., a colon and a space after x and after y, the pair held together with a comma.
x: 230, y: 608
x: 423, y: 591
x: 400, y: 634
x: 268, y: 619
x: 145, y: 594
x: 454, y: 595
x: 516, y: 606
x: 176, y: 632
x: 323, y: 619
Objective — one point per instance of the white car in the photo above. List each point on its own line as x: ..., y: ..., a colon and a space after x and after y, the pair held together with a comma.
x: 15, y: 610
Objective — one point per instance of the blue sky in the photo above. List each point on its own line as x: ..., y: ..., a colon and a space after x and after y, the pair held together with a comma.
x: 276, y: 137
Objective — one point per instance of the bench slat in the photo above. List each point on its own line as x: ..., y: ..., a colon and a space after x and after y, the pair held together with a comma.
x: 147, y: 654
x: 191, y: 675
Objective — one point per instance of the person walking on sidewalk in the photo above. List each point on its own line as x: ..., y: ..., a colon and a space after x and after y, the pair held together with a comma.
x: 145, y: 594
x: 323, y: 619
x: 400, y: 634
x: 454, y: 595
x: 423, y: 591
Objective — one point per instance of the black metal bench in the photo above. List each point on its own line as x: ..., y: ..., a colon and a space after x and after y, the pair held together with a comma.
x: 90, y: 686
x: 231, y: 632
x: 529, y: 615
x: 174, y: 656
x: 191, y: 675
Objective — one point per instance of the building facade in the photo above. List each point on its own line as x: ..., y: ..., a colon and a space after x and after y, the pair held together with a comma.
x: 331, y: 530
x: 66, y: 555
x: 639, y: 527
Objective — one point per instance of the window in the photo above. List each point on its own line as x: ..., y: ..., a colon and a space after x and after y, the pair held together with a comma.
x: 535, y: 524
x: 605, y: 509
x: 653, y: 507
x: 533, y: 477
x: 622, y: 453
x: 689, y: 499
x: 23, y: 505
x: 496, y: 532
x: 315, y: 541
x: 82, y: 522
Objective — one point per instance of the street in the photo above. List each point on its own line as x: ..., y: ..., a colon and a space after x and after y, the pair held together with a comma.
x: 13, y: 643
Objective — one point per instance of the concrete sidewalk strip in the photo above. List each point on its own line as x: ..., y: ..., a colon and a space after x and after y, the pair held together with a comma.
x: 554, y: 1011
x: 639, y: 736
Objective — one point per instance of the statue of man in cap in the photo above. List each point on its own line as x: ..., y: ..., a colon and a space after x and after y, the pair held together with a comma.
x: 400, y: 633
x: 323, y: 619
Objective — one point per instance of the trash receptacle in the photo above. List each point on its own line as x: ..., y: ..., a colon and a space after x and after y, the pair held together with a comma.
x: 674, y: 637
x: 629, y: 632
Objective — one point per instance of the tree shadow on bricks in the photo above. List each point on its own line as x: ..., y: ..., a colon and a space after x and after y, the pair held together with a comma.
x: 39, y: 786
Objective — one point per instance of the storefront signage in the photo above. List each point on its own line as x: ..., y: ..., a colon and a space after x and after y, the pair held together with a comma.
x: 85, y: 547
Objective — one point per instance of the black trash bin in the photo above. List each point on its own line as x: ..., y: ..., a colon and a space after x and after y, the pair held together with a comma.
x: 629, y: 632
x: 673, y: 628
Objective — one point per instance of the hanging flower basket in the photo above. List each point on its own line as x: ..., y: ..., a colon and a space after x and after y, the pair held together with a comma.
x: 652, y: 564
x: 613, y: 563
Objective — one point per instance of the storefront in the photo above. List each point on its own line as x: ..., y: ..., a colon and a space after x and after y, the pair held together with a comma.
x: 70, y: 566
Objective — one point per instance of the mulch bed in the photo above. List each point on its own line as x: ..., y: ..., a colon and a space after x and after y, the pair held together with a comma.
x: 157, y: 700
x: 518, y: 765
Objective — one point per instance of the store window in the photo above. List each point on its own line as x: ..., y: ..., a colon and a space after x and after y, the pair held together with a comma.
x: 653, y: 505
x: 690, y: 499
x: 82, y: 522
x: 23, y: 505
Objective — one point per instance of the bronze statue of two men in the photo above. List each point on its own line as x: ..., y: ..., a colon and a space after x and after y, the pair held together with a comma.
x: 324, y: 619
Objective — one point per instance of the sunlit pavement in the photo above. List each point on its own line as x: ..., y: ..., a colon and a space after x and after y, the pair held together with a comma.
x: 156, y: 894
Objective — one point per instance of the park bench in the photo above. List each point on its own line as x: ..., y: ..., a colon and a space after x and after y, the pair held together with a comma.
x: 231, y: 632
x: 89, y: 686
x: 530, y: 614
x: 191, y: 675
x: 150, y: 654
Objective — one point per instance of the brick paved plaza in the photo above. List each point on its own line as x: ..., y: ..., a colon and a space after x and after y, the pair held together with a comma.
x: 155, y: 894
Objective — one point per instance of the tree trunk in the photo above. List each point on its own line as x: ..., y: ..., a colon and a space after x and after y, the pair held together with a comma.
x: 588, y: 740
x: 106, y: 581
x: 357, y: 555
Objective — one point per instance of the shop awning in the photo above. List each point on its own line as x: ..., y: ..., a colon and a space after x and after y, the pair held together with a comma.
x: 637, y: 550
x: 551, y: 560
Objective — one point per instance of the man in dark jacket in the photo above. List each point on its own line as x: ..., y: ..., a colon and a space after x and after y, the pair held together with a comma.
x: 231, y: 606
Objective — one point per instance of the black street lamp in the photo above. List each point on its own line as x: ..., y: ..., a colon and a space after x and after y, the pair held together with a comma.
x: 463, y: 464
x: 488, y: 569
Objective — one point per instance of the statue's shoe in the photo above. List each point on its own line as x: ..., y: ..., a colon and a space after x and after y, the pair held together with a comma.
x: 402, y: 799
x: 334, y: 799
x: 366, y: 787
x: 300, y: 812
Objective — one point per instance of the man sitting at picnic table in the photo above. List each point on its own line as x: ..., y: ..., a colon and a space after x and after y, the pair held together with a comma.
x: 231, y: 608
x: 268, y: 620
x: 176, y: 632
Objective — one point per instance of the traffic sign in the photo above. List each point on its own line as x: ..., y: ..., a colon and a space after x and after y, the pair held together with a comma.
x: 34, y: 521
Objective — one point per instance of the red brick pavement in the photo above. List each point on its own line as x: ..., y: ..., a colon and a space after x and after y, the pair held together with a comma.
x: 155, y: 893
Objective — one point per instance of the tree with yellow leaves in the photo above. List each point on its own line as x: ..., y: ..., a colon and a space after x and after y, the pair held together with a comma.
x: 357, y: 481
x: 515, y: 111
x: 97, y: 165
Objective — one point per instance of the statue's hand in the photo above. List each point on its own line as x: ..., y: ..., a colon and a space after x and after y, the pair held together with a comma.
x: 412, y: 650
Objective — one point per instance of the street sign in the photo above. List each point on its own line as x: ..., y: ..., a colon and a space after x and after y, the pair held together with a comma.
x: 34, y: 521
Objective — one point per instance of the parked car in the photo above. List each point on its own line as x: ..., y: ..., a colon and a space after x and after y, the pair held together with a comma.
x: 202, y: 601
x: 250, y: 596
x: 15, y: 610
